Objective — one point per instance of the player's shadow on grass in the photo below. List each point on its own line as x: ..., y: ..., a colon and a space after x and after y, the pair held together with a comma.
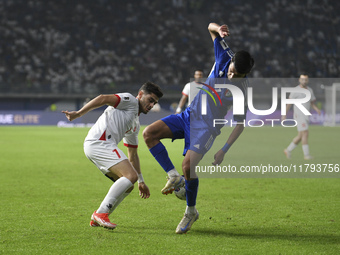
x: 269, y: 235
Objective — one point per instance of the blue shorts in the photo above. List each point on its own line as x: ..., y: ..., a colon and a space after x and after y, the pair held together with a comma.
x: 179, y: 124
x: 201, y: 140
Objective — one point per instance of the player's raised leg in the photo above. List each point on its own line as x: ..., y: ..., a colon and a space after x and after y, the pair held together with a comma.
x: 152, y: 135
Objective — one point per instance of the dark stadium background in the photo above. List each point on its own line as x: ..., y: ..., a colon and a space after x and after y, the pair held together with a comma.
x: 58, y: 53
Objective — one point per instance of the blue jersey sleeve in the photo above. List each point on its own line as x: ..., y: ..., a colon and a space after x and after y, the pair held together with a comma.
x: 222, y: 51
x: 223, y: 56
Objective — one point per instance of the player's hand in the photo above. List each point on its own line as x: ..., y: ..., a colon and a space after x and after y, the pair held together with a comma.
x: 223, y: 31
x: 71, y: 115
x: 219, y: 156
x: 144, y: 191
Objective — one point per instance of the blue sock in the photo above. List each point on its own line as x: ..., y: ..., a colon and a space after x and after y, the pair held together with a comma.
x: 191, y: 188
x: 161, y: 155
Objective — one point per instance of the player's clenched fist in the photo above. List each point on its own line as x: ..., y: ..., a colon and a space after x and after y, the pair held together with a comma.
x: 223, y: 31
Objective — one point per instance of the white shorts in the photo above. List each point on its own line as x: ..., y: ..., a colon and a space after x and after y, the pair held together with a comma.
x: 103, y: 154
x: 302, y: 122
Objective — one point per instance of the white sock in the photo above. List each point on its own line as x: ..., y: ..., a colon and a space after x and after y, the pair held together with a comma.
x: 305, y: 149
x: 190, y: 210
x: 119, y: 200
x: 291, y: 146
x: 117, y: 189
x: 173, y: 173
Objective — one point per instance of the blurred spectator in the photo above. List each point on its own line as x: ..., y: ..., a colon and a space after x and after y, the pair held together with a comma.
x: 90, y: 47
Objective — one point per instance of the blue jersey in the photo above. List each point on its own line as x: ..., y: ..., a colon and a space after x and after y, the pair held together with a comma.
x: 215, y: 108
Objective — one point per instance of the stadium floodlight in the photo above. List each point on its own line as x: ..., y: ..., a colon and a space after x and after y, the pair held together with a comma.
x: 332, y: 105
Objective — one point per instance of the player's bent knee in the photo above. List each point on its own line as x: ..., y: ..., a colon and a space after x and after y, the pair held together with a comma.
x: 132, y: 177
x: 186, y: 167
x: 149, y: 135
x: 146, y: 134
x: 186, y: 170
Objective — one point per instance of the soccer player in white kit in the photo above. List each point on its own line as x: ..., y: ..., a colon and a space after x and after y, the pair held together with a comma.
x: 301, y: 119
x: 120, y: 121
x: 190, y: 86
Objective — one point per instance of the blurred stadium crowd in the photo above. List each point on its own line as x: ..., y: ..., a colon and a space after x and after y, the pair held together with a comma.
x: 92, y: 47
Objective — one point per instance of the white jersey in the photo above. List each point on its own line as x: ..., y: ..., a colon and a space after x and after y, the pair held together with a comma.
x: 117, y: 123
x: 307, y: 105
x: 190, y: 90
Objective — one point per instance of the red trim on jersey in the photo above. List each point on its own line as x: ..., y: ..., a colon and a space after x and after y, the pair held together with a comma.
x: 103, y: 137
x: 117, y: 101
x: 184, y: 94
x: 130, y: 145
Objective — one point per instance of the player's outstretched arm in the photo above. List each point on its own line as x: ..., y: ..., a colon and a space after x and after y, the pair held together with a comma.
x: 97, y: 102
x: 284, y: 117
x: 219, y: 156
x: 315, y: 107
x: 144, y: 191
x: 215, y: 30
x: 181, y: 103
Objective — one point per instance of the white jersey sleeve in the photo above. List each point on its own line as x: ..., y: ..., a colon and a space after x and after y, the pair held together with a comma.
x: 190, y: 90
x: 130, y: 138
x: 186, y: 90
x: 126, y: 102
x: 118, y: 122
x: 299, y: 95
x: 313, y: 98
x: 131, y: 135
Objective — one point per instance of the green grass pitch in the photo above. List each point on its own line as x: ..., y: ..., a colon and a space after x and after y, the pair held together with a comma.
x: 49, y: 189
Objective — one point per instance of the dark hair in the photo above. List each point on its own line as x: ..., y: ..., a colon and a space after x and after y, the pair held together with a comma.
x: 243, y: 61
x: 150, y: 87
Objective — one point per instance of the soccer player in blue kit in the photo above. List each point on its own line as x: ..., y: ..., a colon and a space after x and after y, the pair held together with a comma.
x: 196, y: 128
